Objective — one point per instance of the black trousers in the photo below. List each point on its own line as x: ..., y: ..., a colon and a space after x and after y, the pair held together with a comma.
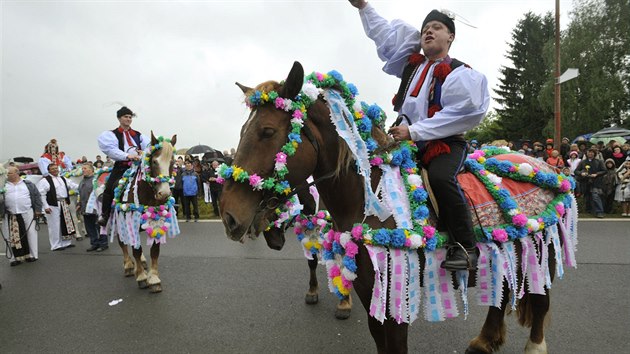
x: 112, y: 182
x: 215, y: 195
x: 452, y: 204
x: 187, y: 200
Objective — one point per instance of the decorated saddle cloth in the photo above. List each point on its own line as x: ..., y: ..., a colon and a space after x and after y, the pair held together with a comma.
x: 130, y: 217
x: 523, y: 207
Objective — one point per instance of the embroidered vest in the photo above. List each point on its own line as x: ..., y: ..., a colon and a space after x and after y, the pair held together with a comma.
x: 413, y: 64
x: 51, y: 196
x: 135, y: 135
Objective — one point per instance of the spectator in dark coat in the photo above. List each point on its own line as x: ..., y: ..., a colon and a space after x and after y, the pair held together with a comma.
x: 590, y: 172
x: 215, y: 188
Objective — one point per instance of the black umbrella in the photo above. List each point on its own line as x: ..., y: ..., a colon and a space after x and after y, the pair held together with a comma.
x: 608, y: 134
x: 199, y: 149
x: 213, y: 155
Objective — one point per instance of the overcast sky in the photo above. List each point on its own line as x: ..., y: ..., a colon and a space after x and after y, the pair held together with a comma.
x: 66, y: 64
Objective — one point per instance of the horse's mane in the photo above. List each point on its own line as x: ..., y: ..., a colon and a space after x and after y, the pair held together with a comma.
x: 167, y: 148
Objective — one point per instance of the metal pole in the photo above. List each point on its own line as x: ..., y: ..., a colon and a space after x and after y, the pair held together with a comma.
x: 557, y: 135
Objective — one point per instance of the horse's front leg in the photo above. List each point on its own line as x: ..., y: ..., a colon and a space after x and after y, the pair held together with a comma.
x: 154, y: 281
x: 312, y: 296
x: 492, y: 334
x: 128, y: 265
x: 141, y: 274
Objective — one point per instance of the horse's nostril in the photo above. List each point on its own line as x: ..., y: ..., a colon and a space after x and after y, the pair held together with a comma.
x: 230, y: 222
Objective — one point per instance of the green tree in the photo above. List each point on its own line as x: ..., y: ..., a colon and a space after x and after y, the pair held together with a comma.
x: 488, y: 131
x: 521, y: 114
x: 597, y: 43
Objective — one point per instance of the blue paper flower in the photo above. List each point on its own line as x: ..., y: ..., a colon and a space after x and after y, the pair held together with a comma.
x: 381, y: 237
x: 421, y: 212
x: 353, y: 89
x: 374, y: 112
x: 431, y: 243
x: 398, y: 238
x: 336, y: 75
x: 420, y: 195
x: 350, y: 264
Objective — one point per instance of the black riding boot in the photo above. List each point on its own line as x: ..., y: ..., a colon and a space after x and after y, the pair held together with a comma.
x: 460, y: 258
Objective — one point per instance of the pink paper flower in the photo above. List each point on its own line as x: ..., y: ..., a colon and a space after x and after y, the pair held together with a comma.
x: 429, y: 231
x: 279, y: 103
x: 351, y: 249
x: 346, y: 283
x: 519, y: 220
x: 297, y: 114
x: 334, y: 271
x: 560, y: 209
x: 499, y: 235
x: 565, y: 185
x: 320, y: 76
x: 357, y: 232
x: 376, y: 161
x: 281, y: 157
x: 255, y: 180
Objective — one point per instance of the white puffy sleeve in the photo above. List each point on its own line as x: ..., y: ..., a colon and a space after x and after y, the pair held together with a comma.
x: 43, y: 187
x: 43, y: 163
x: 465, y: 100
x: 108, y: 144
x: 394, y: 41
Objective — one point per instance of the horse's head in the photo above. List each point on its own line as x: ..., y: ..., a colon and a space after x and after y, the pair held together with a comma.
x: 258, y: 180
x: 160, y: 162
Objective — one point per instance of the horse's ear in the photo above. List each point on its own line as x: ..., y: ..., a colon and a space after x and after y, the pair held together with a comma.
x: 243, y: 88
x: 293, y: 84
x: 153, y: 139
x: 174, y: 139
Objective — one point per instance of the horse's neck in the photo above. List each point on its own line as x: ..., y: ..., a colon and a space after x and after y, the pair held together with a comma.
x: 144, y: 192
x: 344, y: 199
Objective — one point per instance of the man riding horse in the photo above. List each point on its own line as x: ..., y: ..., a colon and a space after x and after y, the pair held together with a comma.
x: 438, y: 100
x: 123, y: 145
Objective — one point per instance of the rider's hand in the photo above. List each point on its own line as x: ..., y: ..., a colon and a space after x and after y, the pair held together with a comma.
x: 359, y: 4
x: 133, y: 157
x: 400, y: 133
x: 48, y: 210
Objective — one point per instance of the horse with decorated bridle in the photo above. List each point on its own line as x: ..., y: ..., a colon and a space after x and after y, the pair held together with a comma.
x: 143, y: 203
x: 384, y: 240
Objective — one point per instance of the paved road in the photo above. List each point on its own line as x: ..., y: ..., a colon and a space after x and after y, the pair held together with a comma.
x: 225, y: 297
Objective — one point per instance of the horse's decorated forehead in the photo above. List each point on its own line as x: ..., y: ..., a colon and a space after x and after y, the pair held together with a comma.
x: 263, y: 88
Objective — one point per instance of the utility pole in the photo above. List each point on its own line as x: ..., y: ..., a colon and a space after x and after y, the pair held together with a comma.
x: 557, y: 131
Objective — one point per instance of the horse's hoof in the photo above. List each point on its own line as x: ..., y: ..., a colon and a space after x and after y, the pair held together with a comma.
x: 155, y: 288
x: 143, y: 284
x: 342, y: 314
x: 311, y: 299
x: 129, y: 272
x: 470, y: 350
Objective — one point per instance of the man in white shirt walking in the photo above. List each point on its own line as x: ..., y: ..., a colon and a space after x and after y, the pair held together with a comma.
x: 21, y: 204
x: 54, y: 194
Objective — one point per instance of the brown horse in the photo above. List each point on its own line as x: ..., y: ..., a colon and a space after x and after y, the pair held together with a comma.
x: 243, y: 209
x: 144, y: 202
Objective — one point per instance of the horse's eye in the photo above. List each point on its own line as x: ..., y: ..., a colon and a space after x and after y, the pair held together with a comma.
x: 268, y: 132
